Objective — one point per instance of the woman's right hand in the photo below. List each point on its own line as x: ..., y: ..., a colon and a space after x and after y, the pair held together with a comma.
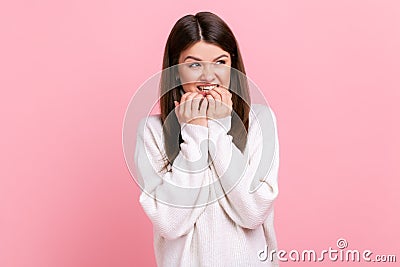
x: 192, y: 109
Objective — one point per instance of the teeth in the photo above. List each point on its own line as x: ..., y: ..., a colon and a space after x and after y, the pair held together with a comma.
x: 206, y: 87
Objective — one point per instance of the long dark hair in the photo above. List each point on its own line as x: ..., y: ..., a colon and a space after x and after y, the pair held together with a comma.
x: 187, y: 31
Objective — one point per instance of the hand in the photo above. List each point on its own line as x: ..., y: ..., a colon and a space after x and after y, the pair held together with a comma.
x: 219, y: 103
x: 191, y: 109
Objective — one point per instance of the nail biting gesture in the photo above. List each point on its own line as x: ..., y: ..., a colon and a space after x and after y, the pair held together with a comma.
x: 219, y: 103
x: 197, y: 108
x: 191, y: 109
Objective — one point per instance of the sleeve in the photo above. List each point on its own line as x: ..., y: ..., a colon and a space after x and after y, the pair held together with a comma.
x: 173, y: 199
x: 248, y: 180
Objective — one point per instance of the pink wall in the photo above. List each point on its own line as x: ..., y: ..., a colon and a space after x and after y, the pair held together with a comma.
x: 329, y: 69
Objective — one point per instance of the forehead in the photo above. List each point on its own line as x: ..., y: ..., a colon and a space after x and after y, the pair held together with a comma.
x: 203, y: 50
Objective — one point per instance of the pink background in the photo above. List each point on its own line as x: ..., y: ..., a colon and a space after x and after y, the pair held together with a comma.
x: 329, y: 69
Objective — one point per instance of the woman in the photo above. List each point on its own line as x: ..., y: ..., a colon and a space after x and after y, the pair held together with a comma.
x: 209, y: 163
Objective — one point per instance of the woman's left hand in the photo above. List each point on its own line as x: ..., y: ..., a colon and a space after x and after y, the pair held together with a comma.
x: 219, y: 103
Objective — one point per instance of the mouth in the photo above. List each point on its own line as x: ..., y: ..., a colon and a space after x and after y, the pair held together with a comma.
x: 207, y: 87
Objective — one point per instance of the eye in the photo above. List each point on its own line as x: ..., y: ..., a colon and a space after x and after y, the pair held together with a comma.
x: 194, y: 64
x: 221, y: 62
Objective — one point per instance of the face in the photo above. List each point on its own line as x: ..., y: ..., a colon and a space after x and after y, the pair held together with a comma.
x: 203, y: 66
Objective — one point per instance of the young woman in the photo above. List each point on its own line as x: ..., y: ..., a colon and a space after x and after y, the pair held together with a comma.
x: 209, y: 162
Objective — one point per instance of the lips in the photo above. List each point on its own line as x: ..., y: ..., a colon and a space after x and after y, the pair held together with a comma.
x: 207, y: 87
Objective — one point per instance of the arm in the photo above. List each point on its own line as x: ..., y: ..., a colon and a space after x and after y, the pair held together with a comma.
x: 250, y: 179
x: 172, y: 207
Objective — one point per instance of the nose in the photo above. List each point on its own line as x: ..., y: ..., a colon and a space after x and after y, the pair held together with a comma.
x: 208, y: 73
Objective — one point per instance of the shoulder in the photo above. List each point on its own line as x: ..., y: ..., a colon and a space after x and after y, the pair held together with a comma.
x: 150, y: 124
x: 262, y: 112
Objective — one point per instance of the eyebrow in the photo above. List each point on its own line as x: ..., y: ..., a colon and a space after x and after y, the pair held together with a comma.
x: 198, y: 59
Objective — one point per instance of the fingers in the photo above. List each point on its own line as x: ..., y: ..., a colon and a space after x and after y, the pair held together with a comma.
x: 184, y: 96
x: 188, y: 103
x: 217, y: 96
x: 219, y: 103
x: 223, y: 91
x: 226, y: 96
x: 211, y: 103
x: 196, y: 103
x: 178, y: 107
x: 192, y: 108
x: 203, y: 107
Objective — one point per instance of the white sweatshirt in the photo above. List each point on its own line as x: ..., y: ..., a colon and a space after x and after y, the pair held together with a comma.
x: 216, y: 212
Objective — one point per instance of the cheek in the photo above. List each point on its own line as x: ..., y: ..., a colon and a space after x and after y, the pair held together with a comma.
x: 189, y: 87
x: 189, y: 76
x: 225, y: 76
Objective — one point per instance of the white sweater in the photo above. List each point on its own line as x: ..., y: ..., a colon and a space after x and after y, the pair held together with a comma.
x: 219, y: 215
